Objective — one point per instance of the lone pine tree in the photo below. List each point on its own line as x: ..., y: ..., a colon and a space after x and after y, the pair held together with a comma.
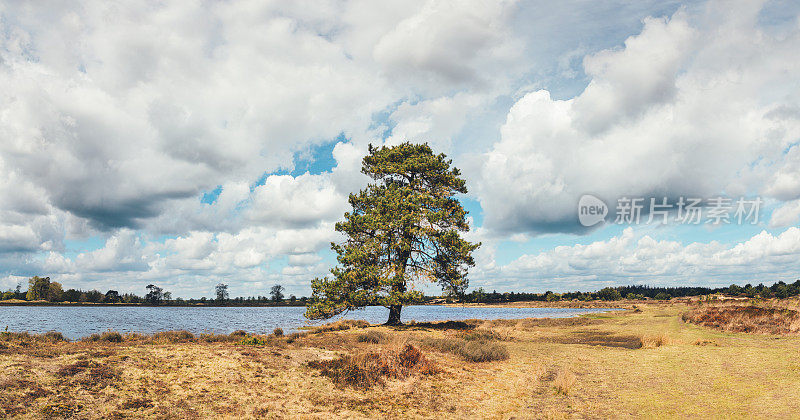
x: 403, y: 228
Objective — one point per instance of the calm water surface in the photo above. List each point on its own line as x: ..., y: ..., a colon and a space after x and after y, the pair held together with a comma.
x: 79, y: 321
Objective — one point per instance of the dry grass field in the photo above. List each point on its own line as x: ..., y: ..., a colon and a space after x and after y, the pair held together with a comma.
x: 648, y: 362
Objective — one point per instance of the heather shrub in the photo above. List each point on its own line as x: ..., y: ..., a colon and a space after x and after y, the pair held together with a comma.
x: 469, y: 350
x: 369, y: 369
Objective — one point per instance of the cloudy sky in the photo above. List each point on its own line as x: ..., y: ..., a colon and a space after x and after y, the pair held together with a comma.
x: 191, y: 143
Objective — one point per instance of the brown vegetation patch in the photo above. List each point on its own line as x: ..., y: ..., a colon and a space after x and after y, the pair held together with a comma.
x: 89, y: 374
x: 750, y: 319
x: 599, y: 338
x: 108, y: 336
x: 73, y: 369
x: 61, y: 410
x: 137, y: 403
x: 18, y: 394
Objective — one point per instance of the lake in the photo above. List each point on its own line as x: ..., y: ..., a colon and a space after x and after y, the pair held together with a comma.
x: 79, y: 321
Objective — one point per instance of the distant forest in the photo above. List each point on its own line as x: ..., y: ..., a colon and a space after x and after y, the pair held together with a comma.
x: 43, y: 289
x: 778, y: 290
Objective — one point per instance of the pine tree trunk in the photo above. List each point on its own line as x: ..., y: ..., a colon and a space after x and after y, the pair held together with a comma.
x: 394, y: 315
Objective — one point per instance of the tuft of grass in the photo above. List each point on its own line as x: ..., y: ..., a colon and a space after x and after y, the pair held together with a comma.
x: 657, y: 340
x: 469, y: 350
x: 538, y: 372
x: 277, y: 332
x: 372, y: 336
x: 564, y: 381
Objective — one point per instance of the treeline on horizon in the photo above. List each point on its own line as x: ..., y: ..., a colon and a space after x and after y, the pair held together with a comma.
x: 42, y: 289
x: 779, y: 290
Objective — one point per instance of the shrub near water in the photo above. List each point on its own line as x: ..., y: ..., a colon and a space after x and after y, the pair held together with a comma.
x: 108, y: 336
x: 26, y: 337
x: 181, y: 336
x: 344, y: 324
